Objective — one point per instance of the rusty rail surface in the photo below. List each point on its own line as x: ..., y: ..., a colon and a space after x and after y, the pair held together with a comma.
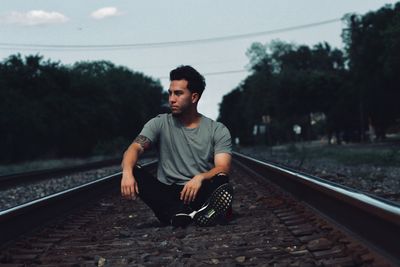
x: 373, y: 220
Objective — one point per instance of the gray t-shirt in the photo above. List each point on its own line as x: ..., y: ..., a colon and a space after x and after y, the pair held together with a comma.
x: 185, y: 152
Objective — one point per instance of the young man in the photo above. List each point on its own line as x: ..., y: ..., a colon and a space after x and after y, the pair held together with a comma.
x: 194, y: 155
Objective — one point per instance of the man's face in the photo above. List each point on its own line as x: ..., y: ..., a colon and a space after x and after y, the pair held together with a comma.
x: 180, y: 98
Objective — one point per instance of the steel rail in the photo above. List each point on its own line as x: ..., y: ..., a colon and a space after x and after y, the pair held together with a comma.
x: 25, y: 217
x: 374, y: 221
x: 14, y: 179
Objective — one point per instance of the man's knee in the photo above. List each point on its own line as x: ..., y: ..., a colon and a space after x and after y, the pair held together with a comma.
x: 210, y: 185
x: 143, y: 177
x: 221, y: 178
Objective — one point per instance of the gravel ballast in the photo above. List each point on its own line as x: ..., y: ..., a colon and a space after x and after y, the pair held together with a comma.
x: 378, y: 179
x: 14, y: 196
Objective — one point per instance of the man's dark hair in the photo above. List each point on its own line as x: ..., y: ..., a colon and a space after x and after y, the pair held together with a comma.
x: 196, y: 81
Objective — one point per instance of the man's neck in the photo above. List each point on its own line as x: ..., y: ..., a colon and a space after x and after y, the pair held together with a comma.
x: 190, y: 119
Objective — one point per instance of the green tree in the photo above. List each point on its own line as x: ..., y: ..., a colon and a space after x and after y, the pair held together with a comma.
x: 51, y: 110
x: 372, y: 46
x: 287, y: 84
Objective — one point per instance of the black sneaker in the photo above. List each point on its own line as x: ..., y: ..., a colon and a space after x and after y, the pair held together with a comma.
x: 181, y: 220
x: 217, y: 205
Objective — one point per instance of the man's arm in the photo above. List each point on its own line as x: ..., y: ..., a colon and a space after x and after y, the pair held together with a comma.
x: 222, y: 162
x: 129, y: 187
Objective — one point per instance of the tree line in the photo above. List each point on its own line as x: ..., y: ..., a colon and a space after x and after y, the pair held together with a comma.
x: 50, y: 110
x: 323, y: 90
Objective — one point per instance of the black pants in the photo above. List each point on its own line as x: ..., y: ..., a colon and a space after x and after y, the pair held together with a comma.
x: 164, y: 199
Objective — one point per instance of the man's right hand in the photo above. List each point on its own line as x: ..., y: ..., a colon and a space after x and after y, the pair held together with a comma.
x: 129, y: 186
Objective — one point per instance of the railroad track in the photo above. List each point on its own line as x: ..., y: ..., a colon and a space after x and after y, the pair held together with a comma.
x: 308, y: 223
x: 15, y: 179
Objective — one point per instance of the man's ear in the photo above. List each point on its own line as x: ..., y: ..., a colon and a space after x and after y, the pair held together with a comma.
x: 195, y: 97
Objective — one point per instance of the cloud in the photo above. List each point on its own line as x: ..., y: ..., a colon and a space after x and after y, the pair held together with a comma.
x: 105, y: 12
x: 33, y: 18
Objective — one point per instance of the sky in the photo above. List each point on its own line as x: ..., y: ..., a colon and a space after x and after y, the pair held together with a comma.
x: 135, y: 29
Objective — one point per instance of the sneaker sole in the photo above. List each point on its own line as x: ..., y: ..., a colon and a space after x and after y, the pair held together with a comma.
x: 218, y: 203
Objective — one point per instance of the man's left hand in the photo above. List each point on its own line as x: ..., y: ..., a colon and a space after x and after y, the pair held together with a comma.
x: 191, y: 188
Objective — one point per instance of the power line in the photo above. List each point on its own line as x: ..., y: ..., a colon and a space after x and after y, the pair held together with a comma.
x: 57, y: 47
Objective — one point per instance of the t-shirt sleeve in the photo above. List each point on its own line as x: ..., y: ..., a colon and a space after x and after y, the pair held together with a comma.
x: 222, y: 139
x: 152, y: 129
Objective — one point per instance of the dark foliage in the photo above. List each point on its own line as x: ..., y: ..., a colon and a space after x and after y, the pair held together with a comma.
x: 325, y: 91
x: 51, y: 110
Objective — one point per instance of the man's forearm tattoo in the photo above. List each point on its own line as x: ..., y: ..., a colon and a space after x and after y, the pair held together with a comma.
x: 143, y: 141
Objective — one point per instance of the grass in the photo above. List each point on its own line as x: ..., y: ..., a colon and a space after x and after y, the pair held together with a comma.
x: 377, y: 154
x: 349, y: 154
